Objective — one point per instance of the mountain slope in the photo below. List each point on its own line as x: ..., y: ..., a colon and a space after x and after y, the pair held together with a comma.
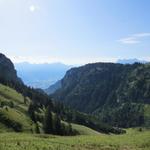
x: 108, y: 90
x: 14, y: 114
x: 53, y: 88
x: 7, y: 70
x: 13, y: 110
x: 91, y: 85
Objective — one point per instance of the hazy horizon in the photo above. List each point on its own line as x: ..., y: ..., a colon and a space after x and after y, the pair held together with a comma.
x: 73, y: 65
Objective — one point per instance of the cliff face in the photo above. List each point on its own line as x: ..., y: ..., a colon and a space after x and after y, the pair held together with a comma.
x: 112, y: 92
x: 94, y: 86
x: 7, y: 70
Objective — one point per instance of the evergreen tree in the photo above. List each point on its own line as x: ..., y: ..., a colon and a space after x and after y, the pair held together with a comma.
x: 70, y: 129
x: 31, y: 112
x: 48, y: 121
x: 37, y: 129
x: 58, y: 129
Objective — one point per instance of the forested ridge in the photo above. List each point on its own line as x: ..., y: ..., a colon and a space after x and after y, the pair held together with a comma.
x: 115, y: 93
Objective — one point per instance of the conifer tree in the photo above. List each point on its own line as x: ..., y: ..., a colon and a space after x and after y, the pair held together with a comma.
x: 58, y: 129
x: 48, y: 121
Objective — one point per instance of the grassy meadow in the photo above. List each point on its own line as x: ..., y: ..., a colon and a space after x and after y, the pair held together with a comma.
x: 133, y: 140
x: 15, y: 111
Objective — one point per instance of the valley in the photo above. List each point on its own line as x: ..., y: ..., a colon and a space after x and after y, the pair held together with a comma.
x: 31, y: 119
x: 74, y: 75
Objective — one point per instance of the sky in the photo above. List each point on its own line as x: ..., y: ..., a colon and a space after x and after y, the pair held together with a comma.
x: 74, y: 31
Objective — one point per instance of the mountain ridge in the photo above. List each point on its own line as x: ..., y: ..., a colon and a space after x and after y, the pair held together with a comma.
x: 108, y: 89
x: 7, y: 70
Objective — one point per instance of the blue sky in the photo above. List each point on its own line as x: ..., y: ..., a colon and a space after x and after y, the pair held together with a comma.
x: 74, y: 31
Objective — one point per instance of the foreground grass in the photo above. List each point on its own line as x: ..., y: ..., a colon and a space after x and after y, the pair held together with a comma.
x: 133, y: 140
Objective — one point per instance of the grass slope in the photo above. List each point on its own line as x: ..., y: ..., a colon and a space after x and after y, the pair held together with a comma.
x: 84, y: 130
x: 13, y: 109
x: 18, y: 113
x: 147, y: 115
x: 133, y: 140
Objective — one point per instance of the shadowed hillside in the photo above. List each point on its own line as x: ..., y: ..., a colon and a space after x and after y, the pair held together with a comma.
x: 113, y: 92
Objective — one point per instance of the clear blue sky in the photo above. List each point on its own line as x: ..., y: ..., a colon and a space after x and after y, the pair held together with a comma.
x: 74, y: 31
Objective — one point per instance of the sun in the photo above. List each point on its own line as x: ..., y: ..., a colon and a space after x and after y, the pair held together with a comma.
x: 33, y: 8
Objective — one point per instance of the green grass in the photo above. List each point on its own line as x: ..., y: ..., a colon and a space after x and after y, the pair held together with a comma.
x: 84, y: 130
x: 4, y: 129
x: 133, y: 140
x: 10, y: 94
x: 18, y: 117
x: 17, y: 113
x: 147, y: 115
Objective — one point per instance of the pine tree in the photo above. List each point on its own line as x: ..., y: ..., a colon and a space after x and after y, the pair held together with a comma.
x: 37, y: 129
x: 58, y: 129
x: 70, y: 129
x: 48, y: 121
x: 31, y: 112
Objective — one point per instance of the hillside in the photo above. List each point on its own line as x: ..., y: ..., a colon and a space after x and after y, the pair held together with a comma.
x: 13, y: 111
x: 53, y: 88
x: 113, y: 92
x: 14, y: 114
x: 83, y: 130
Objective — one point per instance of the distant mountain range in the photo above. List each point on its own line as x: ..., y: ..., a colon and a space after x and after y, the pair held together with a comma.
x: 41, y: 75
x: 131, y: 61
